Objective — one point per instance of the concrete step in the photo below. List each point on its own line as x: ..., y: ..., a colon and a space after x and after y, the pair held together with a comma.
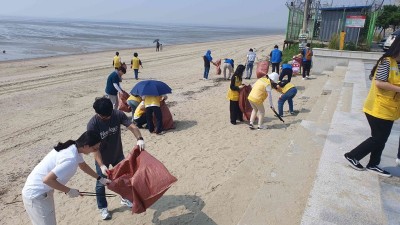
x: 304, y: 146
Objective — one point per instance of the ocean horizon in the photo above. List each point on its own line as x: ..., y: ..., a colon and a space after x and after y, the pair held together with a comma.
x: 36, y: 38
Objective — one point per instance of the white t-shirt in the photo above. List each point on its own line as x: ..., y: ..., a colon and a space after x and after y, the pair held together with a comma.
x: 251, y: 57
x: 63, y: 164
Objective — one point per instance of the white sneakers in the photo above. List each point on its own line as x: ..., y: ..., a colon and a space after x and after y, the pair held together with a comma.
x: 105, y: 215
x: 126, y: 202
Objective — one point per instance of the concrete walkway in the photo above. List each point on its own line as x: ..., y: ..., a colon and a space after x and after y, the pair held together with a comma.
x: 342, y: 195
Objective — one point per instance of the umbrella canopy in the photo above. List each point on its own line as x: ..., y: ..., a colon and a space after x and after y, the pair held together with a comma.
x: 151, y: 88
x: 156, y: 40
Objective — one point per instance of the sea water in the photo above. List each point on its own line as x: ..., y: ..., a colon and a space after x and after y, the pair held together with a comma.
x: 35, y: 38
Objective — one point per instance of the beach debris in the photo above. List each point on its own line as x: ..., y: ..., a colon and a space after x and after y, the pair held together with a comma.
x: 4, y: 51
x: 43, y: 66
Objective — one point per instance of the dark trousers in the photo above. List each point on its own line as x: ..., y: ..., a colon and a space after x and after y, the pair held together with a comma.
x: 100, y: 189
x: 141, y: 121
x: 234, y: 109
x: 275, y: 67
x: 149, y: 117
x: 286, y: 72
x: 306, y: 68
x: 380, y: 131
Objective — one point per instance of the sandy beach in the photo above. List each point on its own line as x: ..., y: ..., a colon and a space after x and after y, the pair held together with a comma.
x: 224, y: 171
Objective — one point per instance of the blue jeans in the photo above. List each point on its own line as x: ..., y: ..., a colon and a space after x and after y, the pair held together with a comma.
x: 289, y: 95
x: 133, y: 104
x: 206, y: 71
x: 136, y: 72
x: 249, y: 69
x: 100, y: 189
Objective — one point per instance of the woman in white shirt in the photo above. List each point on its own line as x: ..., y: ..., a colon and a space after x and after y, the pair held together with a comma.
x: 53, y: 172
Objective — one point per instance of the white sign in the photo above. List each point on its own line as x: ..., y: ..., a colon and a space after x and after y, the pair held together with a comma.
x: 355, y: 21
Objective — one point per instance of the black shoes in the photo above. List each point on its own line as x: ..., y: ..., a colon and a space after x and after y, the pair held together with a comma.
x: 354, y: 163
x: 379, y: 171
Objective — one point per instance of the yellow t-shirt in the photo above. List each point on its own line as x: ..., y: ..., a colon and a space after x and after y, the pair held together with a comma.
x: 117, y: 61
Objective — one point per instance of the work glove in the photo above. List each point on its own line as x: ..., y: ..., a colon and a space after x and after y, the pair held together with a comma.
x: 104, y: 170
x: 104, y: 181
x: 140, y: 143
x: 73, y: 193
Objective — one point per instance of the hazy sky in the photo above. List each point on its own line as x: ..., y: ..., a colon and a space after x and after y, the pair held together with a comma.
x: 254, y: 13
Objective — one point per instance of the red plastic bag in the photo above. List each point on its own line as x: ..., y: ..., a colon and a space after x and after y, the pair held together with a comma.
x: 122, y: 105
x: 218, y: 67
x: 244, y: 103
x: 141, y: 179
x: 262, y: 69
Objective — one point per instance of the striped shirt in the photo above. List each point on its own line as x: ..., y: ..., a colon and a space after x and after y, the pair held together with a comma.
x: 382, y: 71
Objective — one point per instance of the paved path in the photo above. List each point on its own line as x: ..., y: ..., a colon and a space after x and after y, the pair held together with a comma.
x: 342, y: 195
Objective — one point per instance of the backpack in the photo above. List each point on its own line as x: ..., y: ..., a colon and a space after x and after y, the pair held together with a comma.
x: 309, y: 54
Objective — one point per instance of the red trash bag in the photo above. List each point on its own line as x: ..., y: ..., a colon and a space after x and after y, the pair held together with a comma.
x: 244, y: 103
x: 167, y: 120
x: 122, y: 105
x: 141, y: 179
x: 262, y: 69
x: 218, y: 67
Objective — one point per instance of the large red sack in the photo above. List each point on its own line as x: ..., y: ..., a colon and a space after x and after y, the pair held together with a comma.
x: 141, y: 179
x: 262, y: 69
x: 167, y: 120
x: 122, y: 105
x: 244, y: 103
x: 218, y: 67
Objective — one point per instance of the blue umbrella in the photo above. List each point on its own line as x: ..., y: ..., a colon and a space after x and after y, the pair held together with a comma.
x: 151, y: 88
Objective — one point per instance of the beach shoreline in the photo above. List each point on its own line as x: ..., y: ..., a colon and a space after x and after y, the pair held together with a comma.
x: 220, y: 167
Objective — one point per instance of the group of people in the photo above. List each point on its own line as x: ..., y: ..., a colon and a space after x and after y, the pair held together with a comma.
x: 102, y: 138
x: 135, y: 64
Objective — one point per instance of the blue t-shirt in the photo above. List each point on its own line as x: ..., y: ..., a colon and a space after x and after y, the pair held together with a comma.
x: 112, y: 78
x: 230, y: 61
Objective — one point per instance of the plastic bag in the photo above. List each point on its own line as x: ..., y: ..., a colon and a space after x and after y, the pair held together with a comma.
x: 141, y: 179
x: 262, y: 69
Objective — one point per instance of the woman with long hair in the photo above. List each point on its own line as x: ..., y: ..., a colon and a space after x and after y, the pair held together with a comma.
x: 53, y: 172
x: 382, y: 108
x: 233, y: 94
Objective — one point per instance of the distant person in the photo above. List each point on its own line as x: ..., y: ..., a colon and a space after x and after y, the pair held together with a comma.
x: 157, y: 46
x: 207, y: 60
x: 250, y: 58
x: 107, y: 123
x: 113, y: 85
x: 307, y: 54
x: 135, y: 63
x: 4, y: 51
x: 233, y: 95
x: 117, y: 61
x: 287, y: 70
x: 381, y: 109
x: 53, y: 172
x: 276, y: 59
x: 260, y: 91
x: 228, y: 65
x: 288, y: 92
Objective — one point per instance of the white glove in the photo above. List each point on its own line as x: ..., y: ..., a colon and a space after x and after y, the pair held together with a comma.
x: 73, y: 193
x: 104, y: 181
x: 140, y: 143
x: 104, y: 170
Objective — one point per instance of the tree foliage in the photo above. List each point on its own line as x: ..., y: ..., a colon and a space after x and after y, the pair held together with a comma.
x: 390, y: 17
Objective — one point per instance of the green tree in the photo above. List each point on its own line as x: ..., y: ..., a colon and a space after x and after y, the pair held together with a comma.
x: 390, y: 17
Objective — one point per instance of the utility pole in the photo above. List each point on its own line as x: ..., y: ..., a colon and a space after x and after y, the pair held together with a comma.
x: 304, y: 33
x: 305, y: 17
